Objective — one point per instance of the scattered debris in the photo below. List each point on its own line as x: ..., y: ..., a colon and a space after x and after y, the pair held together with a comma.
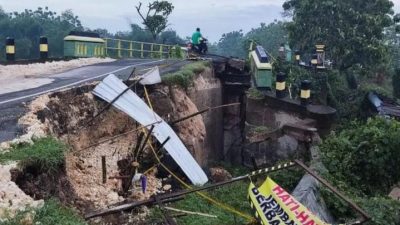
x: 218, y: 174
x: 131, y: 104
x: 395, y: 193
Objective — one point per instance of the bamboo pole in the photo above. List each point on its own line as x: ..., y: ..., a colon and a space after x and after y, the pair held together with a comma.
x: 104, y: 168
x: 190, y: 212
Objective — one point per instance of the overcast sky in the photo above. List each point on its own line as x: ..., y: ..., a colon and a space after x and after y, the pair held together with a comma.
x: 214, y: 17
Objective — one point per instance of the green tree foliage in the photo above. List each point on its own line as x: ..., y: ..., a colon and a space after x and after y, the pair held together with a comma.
x: 363, y: 162
x: 396, y: 83
x: 352, y: 30
x: 366, y: 155
x: 236, y: 43
x: 232, y: 44
x: 156, y: 17
x: 270, y: 36
x: 27, y: 27
x: 392, y: 40
x: 170, y: 37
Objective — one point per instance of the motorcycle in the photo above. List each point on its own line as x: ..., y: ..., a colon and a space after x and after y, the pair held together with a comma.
x: 201, y: 48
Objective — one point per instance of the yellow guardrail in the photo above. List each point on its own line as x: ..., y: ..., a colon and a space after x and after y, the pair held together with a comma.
x: 118, y: 48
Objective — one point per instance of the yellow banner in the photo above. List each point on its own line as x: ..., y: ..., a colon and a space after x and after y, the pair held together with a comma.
x: 274, y: 206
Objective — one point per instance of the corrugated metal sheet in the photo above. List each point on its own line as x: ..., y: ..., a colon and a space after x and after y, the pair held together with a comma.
x: 136, y: 108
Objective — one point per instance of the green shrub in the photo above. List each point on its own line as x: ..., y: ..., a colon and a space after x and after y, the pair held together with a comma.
x: 46, y: 154
x: 396, y: 83
x: 177, y: 52
x: 255, y: 93
x: 365, y: 155
x: 50, y: 214
x: 184, y: 77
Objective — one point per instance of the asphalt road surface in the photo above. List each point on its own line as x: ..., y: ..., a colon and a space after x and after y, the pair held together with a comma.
x: 12, y: 105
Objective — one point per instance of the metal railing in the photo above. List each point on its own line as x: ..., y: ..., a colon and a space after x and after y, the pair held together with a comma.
x: 118, y: 48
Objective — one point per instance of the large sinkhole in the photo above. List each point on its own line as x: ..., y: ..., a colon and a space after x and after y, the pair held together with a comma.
x: 68, y: 115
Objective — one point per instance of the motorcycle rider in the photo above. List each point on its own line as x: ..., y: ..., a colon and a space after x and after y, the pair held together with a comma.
x: 196, y: 37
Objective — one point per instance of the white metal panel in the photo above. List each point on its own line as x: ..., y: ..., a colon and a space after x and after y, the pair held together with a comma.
x: 136, y: 108
x: 151, y: 77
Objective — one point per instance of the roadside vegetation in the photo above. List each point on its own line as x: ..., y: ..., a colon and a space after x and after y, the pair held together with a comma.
x: 184, y: 77
x: 233, y: 195
x: 53, y: 212
x: 363, y: 161
x: 45, y: 154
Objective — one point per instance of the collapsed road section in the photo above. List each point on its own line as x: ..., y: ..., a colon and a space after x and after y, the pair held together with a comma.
x: 153, y: 137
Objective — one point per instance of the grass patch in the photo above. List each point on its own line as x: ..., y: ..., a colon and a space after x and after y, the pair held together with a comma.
x: 255, y: 93
x: 234, y: 195
x: 50, y: 214
x: 46, y: 154
x: 184, y: 77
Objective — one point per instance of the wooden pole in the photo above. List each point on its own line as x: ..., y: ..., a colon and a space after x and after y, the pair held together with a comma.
x: 104, y: 168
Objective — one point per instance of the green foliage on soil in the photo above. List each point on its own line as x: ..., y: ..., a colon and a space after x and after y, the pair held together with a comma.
x: 260, y: 129
x: 234, y: 195
x: 370, y: 151
x: 184, y: 77
x: 53, y: 212
x: 46, y: 154
x: 396, y: 83
x: 176, y: 52
x: 255, y: 93
x: 364, y: 162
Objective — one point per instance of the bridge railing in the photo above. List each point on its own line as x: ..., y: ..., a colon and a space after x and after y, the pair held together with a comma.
x: 118, y: 48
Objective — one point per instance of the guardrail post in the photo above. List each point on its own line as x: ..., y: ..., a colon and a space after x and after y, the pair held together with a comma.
x: 119, y: 49
x: 43, y: 47
x: 105, y: 47
x: 305, y: 92
x: 280, y: 85
x: 151, y: 51
x: 130, y: 49
x: 141, y: 50
x: 10, y: 49
x: 161, y: 51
